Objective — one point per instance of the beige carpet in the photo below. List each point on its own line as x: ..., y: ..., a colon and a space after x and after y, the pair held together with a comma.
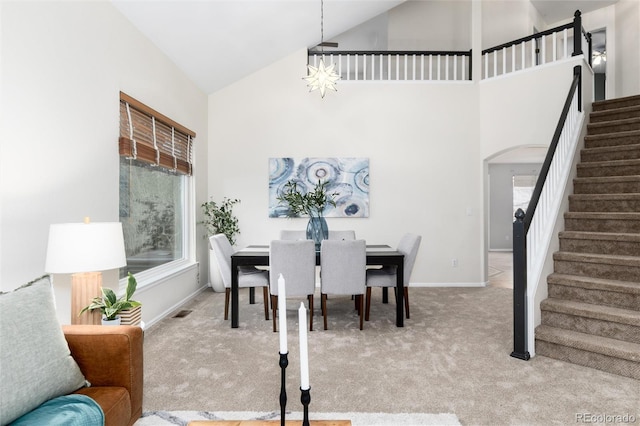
x: 452, y: 356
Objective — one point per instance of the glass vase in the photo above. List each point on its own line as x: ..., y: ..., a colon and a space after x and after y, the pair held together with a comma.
x: 317, y: 230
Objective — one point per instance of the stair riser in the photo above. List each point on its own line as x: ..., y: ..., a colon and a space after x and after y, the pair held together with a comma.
x: 598, y: 270
x: 588, y: 156
x: 619, y: 248
x: 630, y: 101
x: 614, y: 115
x: 604, y: 170
x: 600, y: 225
x: 610, y: 364
x: 594, y: 326
x: 612, y: 187
x: 595, y: 205
x: 614, y: 127
x: 613, y: 299
x: 601, y: 142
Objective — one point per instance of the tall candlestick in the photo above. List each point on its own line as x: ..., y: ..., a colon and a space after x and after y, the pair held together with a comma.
x: 282, y: 315
x: 304, y: 352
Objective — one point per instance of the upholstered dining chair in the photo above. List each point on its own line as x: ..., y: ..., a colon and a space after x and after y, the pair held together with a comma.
x: 386, y: 276
x: 296, y: 261
x: 342, y: 235
x: 291, y: 234
x: 248, y: 276
x: 343, y: 265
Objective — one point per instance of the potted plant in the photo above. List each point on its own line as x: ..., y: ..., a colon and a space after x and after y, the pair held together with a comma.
x: 111, y: 306
x: 311, y: 203
x: 219, y: 219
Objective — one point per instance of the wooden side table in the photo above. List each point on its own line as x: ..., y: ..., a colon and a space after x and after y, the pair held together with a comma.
x: 267, y: 422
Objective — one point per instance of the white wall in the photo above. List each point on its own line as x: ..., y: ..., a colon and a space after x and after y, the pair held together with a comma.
x: 627, y: 40
x: 420, y: 140
x: 63, y: 65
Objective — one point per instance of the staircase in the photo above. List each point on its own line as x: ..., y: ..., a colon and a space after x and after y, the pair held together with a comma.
x: 592, y: 315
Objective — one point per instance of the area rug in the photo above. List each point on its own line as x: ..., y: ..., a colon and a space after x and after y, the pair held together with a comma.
x: 159, y: 418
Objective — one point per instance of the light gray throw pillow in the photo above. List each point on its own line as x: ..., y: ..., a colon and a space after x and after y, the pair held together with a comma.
x: 35, y: 362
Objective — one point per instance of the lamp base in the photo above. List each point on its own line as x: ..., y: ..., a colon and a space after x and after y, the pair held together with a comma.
x: 84, y: 287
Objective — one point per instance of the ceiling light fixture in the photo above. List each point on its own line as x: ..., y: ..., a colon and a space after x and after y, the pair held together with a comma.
x: 599, y: 57
x: 322, y: 77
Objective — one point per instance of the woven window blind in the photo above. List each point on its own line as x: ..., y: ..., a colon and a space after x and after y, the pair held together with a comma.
x: 149, y: 136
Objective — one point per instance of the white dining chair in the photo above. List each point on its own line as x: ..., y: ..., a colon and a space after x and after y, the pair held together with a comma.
x: 386, y: 276
x: 342, y: 235
x: 343, y: 265
x: 248, y: 276
x: 296, y: 261
x: 291, y: 234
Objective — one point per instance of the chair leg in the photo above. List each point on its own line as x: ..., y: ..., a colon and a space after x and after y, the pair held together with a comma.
x: 360, y: 299
x: 323, y: 301
x: 227, y: 292
x: 368, y: 308
x: 274, y: 306
x: 265, y: 298
x: 406, y: 301
x: 310, y: 297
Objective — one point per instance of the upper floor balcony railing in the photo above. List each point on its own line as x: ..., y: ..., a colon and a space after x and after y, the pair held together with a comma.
x: 397, y: 65
x: 528, y: 52
x: 537, y: 49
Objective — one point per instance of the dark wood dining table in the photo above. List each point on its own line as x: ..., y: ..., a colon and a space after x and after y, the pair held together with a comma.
x: 377, y: 255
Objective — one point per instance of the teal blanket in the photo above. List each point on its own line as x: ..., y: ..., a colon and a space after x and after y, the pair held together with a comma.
x: 67, y: 410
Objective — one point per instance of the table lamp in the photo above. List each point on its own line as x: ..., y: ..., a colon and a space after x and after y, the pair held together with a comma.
x: 84, y: 250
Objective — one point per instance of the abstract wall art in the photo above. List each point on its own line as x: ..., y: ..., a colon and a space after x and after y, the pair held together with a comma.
x: 348, y: 177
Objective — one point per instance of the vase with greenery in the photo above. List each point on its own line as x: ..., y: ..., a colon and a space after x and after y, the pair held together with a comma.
x: 110, y: 305
x: 311, y: 203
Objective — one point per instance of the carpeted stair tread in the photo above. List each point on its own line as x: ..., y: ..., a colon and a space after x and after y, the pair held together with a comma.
x: 616, y: 103
x: 603, y: 215
x: 609, y: 153
x: 615, y: 138
x: 587, y: 342
x: 605, y: 127
x: 593, y: 283
x: 613, y: 113
x: 625, y: 202
x: 607, y: 184
x: 627, y: 167
x: 588, y: 310
x: 609, y: 236
x: 633, y: 261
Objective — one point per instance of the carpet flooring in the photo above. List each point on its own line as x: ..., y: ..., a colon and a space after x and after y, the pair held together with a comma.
x: 452, y: 357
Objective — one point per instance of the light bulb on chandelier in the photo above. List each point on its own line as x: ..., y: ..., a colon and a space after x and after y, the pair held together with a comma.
x: 322, y: 77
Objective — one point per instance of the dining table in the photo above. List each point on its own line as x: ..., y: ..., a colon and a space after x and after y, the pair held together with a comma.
x: 377, y: 255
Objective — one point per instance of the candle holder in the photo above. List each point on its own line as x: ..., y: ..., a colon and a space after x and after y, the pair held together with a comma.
x: 305, y: 398
x: 284, y: 361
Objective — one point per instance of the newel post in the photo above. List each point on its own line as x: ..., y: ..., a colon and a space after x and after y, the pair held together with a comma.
x: 577, y: 34
x: 520, y: 288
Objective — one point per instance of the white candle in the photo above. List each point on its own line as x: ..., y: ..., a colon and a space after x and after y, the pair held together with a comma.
x: 304, y: 352
x: 282, y: 315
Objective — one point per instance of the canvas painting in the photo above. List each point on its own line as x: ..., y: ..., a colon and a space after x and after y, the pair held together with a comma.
x: 348, y: 177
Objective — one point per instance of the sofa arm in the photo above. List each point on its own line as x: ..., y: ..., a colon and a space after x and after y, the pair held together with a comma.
x: 109, y: 356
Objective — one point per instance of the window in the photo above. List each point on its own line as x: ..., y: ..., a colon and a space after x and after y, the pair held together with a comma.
x: 155, y: 174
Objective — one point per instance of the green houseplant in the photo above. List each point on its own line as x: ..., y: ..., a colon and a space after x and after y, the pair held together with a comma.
x: 110, y: 305
x: 311, y: 203
x: 219, y: 218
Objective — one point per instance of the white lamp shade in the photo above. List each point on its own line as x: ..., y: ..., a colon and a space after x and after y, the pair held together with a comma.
x: 85, y: 247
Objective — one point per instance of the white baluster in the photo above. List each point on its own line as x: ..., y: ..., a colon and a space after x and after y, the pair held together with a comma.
x: 504, y: 60
x: 544, y: 50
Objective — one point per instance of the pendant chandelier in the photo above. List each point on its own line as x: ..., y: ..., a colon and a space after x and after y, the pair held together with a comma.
x: 322, y: 77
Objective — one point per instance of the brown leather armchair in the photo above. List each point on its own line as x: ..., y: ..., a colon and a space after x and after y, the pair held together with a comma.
x: 110, y: 357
